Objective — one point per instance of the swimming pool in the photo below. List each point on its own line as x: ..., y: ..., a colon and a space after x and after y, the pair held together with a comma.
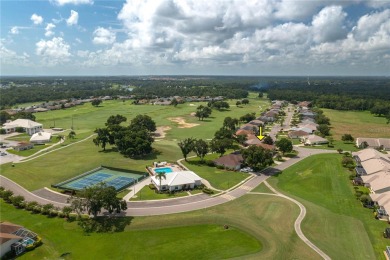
x: 165, y: 170
x: 28, y: 241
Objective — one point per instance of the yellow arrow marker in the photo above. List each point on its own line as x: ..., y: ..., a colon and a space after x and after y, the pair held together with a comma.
x: 260, y: 136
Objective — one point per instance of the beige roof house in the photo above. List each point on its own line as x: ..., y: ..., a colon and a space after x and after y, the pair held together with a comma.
x: 314, y: 139
x: 378, y: 182
x: 385, y: 143
x: 232, y: 161
x: 371, y: 142
x: 382, y: 199
x: 370, y: 153
x: 375, y: 165
x: 29, y: 126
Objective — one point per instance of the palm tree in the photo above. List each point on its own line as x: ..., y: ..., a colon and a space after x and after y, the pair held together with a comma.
x: 60, y: 138
x: 161, y: 175
x: 72, y: 134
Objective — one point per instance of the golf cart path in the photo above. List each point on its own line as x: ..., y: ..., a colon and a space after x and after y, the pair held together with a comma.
x: 298, y: 221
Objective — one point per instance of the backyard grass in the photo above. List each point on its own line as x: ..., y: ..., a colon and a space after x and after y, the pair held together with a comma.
x: 147, y: 193
x: 218, y: 178
x: 346, y: 147
x: 31, y: 151
x: 260, y: 227
x: 336, y: 221
x: 357, y: 123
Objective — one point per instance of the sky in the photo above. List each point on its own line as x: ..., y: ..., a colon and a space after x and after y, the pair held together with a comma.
x: 195, y: 37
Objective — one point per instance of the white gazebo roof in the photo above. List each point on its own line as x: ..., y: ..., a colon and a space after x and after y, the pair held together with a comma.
x: 40, y: 136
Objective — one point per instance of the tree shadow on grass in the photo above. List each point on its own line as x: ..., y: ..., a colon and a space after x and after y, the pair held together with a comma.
x: 113, y: 149
x: 104, y: 224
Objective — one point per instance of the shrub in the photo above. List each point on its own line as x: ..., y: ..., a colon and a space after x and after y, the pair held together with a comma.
x: 358, y: 193
x: 210, y: 163
x: 2, y: 189
x: 365, y: 199
x: 2, y: 131
x: 151, y: 186
x: 19, y: 129
x: 6, y: 195
x: 207, y: 190
x: 221, y: 167
x: 47, y: 208
x: 53, y: 213
x: 352, y: 176
x: 37, y: 209
x: 31, y: 205
x: 72, y: 216
x: 61, y: 214
x: 16, y: 200
x: 66, y: 211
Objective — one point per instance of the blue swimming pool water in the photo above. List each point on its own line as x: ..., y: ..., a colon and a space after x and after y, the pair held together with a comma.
x: 28, y: 241
x: 165, y: 169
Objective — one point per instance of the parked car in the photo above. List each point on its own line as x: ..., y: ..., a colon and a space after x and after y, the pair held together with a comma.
x: 246, y: 169
x: 3, y: 154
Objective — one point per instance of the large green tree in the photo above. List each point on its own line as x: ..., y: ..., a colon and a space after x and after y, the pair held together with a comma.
x: 202, y: 112
x: 221, y: 145
x: 323, y: 129
x: 257, y: 157
x: 248, y: 117
x: 95, y: 198
x: 230, y: 123
x: 144, y: 121
x: 284, y: 145
x: 134, y: 144
x: 201, y: 148
x: 347, y: 138
x: 103, y: 138
x: 186, y: 146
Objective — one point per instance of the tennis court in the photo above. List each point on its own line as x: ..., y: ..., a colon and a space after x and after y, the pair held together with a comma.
x: 119, y: 179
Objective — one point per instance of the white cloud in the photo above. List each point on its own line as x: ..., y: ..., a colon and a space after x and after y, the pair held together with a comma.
x: 49, y: 29
x: 53, y: 51
x: 103, y: 36
x: 14, y: 30
x: 73, y: 18
x: 10, y: 57
x: 328, y: 24
x: 74, y: 2
x: 36, y: 19
x: 370, y: 23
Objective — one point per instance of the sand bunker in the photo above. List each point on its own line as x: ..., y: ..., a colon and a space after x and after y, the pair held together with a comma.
x: 181, y: 122
x: 192, y: 105
x: 161, y: 131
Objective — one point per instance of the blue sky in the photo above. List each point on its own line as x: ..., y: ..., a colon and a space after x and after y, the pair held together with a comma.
x: 225, y: 37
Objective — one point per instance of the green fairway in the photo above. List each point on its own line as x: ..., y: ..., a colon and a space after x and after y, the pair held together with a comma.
x: 335, y: 221
x: 262, y: 188
x: 260, y: 227
x: 338, y: 144
x: 357, y: 123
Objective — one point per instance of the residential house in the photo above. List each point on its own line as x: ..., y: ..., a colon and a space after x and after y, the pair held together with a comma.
x: 14, y: 238
x: 256, y: 122
x: 314, y: 140
x: 382, y: 200
x: 23, y: 146
x: 367, y: 143
x: 377, y: 183
x: 384, y: 143
x: 231, y: 161
x: 29, y: 126
x: 176, y: 181
x: 299, y: 134
x: 243, y: 132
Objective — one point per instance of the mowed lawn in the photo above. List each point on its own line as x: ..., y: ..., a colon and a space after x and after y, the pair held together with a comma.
x: 336, y: 221
x: 75, y: 159
x: 88, y: 117
x: 357, y: 123
x: 260, y: 227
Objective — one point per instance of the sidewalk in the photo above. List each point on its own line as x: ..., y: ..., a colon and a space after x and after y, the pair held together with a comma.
x: 136, y: 188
